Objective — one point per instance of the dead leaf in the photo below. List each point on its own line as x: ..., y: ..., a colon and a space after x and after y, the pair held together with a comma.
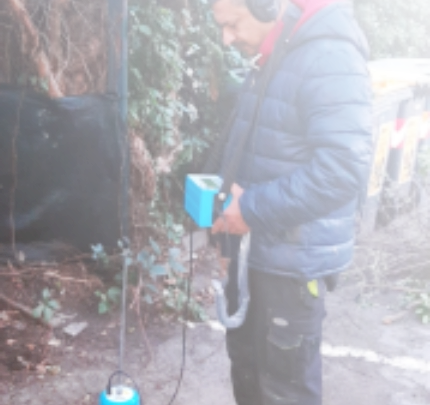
x: 54, y: 342
x: 24, y: 362
x: 21, y: 256
x: 41, y: 369
x: 53, y: 370
x: 4, y: 316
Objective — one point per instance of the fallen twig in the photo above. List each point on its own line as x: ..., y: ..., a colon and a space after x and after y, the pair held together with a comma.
x: 24, y: 309
x: 388, y: 320
x: 136, y: 304
x: 397, y: 288
x: 53, y: 274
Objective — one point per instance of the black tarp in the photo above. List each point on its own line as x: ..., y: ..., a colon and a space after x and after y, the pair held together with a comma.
x: 60, y: 165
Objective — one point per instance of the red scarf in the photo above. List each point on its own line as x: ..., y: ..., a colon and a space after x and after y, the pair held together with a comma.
x: 309, y: 7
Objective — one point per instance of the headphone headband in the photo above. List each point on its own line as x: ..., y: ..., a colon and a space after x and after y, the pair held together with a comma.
x: 264, y: 10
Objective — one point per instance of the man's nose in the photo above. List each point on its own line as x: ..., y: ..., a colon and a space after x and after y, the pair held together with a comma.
x: 227, y: 37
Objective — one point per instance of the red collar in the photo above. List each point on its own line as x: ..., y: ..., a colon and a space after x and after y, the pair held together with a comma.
x: 309, y: 8
x: 269, y: 42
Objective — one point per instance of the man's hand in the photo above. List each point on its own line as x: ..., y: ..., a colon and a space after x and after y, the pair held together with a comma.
x: 231, y: 220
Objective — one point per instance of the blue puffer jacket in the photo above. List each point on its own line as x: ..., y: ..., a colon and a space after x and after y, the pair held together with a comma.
x: 307, y: 162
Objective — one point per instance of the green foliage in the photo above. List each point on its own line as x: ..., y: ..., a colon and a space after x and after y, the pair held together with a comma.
x: 47, y: 306
x: 424, y: 163
x: 423, y: 310
x: 108, y: 300
x: 170, y: 222
x: 174, y: 54
x: 99, y: 254
x: 396, y: 28
x: 175, y: 299
x: 37, y: 83
x: 156, y: 72
x: 418, y: 298
x: 172, y: 291
x: 159, y: 276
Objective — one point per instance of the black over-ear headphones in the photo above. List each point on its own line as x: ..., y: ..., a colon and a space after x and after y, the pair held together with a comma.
x: 264, y: 10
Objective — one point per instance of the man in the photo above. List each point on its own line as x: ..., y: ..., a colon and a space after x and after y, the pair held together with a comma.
x: 301, y: 174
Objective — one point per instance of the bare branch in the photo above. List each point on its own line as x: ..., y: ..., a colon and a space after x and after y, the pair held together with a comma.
x: 22, y: 308
x: 32, y: 46
x: 54, y: 17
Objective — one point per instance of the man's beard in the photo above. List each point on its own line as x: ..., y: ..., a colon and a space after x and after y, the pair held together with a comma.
x: 245, y: 50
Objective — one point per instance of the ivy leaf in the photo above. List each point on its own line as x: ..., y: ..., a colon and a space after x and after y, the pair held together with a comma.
x: 148, y: 299
x: 128, y: 261
x: 118, y: 278
x: 97, y: 248
x: 158, y: 270
x: 152, y: 287
x: 155, y: 246
x: 37, y: 312
x: 103, y: 307
x: 48, y: 313
x: 113, y: 294
x: 44, y: 84
x: 145, y: 30
x: 143, y: 258
x: 54, y: 304
x: 178, y: 267
x: 174, y: 253
x: 46, y: 294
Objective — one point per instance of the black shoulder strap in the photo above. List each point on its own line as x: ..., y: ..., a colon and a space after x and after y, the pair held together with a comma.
x: 229, y: 172
x: 213, y: 162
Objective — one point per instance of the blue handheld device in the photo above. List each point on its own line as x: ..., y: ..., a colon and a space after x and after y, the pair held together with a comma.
x: 200, y: 192
x: 120, y: 395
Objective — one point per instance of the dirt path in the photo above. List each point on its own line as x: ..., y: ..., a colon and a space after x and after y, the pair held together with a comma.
x: 365, y: 361
x: 361, y: 362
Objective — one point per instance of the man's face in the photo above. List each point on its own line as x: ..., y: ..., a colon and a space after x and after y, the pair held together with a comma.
x: 239, y: 27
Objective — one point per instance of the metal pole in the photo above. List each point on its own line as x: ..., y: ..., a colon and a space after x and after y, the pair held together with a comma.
x: 118, y: 51
x: 118, y: 85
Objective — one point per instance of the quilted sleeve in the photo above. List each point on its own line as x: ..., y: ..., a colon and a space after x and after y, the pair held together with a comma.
x: 334, y: 104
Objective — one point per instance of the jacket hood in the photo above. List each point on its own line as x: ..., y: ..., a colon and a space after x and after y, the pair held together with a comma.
x: 328, y: 19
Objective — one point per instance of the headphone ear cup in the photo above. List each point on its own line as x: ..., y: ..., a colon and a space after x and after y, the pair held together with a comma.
x: 264, y: 10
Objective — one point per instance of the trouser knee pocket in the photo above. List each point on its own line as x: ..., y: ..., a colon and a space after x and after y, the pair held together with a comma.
x: 289, y: 354
x: 282, y: 346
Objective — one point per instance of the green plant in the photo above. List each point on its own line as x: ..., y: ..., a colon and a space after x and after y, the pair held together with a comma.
x: 173, y: 291
x: 159, y: 277
x: 173, y: 288
x: 423, y: 309
x: 178, y: 67
x: 99, y: 254
x: 108, y: 300
x: 47, y: 306
x: 37, y: 83
x: 156, y: 70
x: 418, y: 298
x: 424, y: 163
x: 175, y: 299
x: 395, y: 28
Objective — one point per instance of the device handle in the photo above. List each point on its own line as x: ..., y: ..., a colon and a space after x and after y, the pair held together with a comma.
x: 116, y: 373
